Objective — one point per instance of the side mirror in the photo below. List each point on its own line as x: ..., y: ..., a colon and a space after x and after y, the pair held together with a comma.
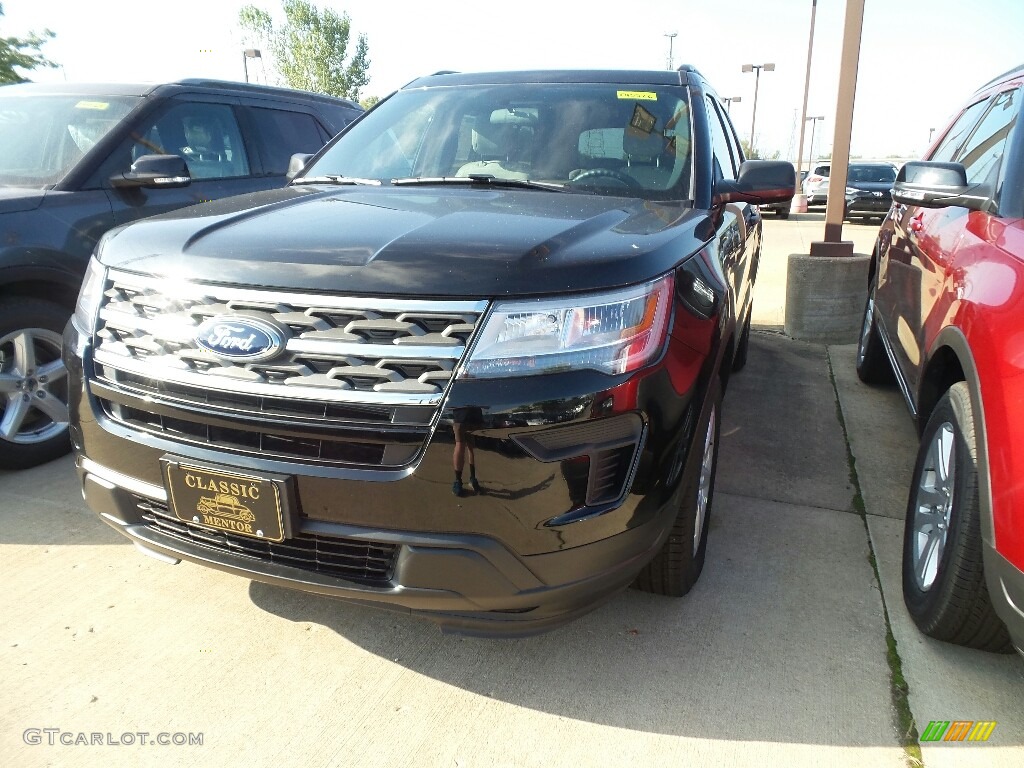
x: 154, y: 172
x: 932, y: 184
x: 297, y: 163
x: 760, y: 182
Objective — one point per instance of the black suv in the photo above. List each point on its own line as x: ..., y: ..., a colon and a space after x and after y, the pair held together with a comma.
x: 77, y: 160
x: 469, y: 364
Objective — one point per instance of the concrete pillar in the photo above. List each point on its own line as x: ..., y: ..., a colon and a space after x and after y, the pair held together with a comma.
x: 825, y: 297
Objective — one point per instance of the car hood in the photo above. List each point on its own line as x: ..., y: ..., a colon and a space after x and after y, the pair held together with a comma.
x: 19, y: 199
x: 425, y: 240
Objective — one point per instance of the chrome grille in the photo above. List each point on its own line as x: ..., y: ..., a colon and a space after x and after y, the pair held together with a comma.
x: 359, y: 381
x: 342, y: 349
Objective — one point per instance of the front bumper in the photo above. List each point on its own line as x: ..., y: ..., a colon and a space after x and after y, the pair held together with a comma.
x: 874, y: 205
x: 527, y: 554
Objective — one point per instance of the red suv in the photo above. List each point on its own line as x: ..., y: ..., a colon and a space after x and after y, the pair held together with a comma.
x: 945, y: 315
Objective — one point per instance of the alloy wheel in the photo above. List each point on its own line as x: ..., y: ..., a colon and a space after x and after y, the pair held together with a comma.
x: 933, y: 506
x: 33, y: 386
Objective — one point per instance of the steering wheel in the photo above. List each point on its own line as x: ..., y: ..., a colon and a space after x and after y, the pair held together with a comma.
x: 608, y: 173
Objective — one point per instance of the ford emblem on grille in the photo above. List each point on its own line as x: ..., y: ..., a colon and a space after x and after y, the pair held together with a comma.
x: 240, y: 338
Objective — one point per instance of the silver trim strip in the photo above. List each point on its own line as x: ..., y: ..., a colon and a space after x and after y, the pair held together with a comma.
x: 152, y: 368
x: 185, y: 289
x: 385, y: 351
x: 138, y: 487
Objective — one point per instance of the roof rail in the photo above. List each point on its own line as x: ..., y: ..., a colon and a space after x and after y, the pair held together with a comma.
x: 1007, y: 73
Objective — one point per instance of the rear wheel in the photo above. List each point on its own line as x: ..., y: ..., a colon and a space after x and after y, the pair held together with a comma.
x: 943, y: 576
x: 873, y: 365
x: 33, y: 384
x: 678, y: 565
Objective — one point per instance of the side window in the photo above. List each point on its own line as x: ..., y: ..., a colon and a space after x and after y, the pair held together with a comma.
x: 205, y: 135
x: 722, y: 162
x: 280, y: 134
x: 984, y: 149
x: 730, y: 135
x: 956, y: 135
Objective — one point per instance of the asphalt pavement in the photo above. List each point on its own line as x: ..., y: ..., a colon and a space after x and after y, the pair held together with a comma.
x: 779, y: 656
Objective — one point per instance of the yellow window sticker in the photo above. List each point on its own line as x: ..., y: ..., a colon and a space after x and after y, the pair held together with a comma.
x: 101, y: 105
x: 638, y: 95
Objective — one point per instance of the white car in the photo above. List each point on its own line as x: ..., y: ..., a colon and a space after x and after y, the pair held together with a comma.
x: 816, y: 185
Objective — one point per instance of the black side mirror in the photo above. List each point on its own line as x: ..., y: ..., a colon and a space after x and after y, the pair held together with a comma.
x: 154, y: 172
x: 297, y: 163
x: 931, y: 184
x: 759, y: 182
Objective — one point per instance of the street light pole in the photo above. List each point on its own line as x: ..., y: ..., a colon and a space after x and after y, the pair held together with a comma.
x: 810, y: 158
x: 757, y: 82
x: 249, y: 53
x: 799, y: 203
x: 671, y: 38
x: 728, y: 102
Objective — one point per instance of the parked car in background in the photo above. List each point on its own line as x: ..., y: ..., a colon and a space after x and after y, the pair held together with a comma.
x: 815, y: 185
x: 869, y: 190
x: 77, y: 160
x: 469, y: 364
x: 943, y: 315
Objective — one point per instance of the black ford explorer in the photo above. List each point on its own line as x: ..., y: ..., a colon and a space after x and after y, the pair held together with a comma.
x: 469, y: 364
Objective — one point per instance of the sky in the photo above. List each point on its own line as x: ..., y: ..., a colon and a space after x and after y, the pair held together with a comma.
x: 920, y: 59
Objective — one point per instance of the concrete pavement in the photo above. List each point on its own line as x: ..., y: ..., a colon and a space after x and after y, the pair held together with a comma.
x: 778, y: 656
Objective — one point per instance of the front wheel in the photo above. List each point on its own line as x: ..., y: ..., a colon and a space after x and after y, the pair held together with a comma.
x: 679, y: 562
x: 943, y: 574
x: 873, y: 365
x: 33, y: 384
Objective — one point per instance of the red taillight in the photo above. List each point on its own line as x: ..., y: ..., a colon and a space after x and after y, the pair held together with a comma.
x: 815, y: 178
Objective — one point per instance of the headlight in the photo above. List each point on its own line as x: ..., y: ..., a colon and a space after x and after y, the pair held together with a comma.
x: 615, y: 332
x: 89, y: 297
x: 852, y: 191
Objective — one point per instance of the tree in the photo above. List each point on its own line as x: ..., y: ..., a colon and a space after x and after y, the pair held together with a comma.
x: 754, y: 153
x: 311, y: 47
x: 368, y: 101
x: 21, y: 53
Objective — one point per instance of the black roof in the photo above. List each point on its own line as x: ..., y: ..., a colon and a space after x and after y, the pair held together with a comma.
x: 144, y: 89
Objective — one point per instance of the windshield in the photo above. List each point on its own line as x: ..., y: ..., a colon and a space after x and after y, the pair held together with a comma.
x: 614, y: 139
x: 42, y: 137
x: 871, y: 173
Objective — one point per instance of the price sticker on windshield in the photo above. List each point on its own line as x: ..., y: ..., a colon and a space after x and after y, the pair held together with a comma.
x: 637, y: 95
x: 100, y: 105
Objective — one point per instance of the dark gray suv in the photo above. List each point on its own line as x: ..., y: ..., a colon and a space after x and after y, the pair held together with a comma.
x: 77, y: 160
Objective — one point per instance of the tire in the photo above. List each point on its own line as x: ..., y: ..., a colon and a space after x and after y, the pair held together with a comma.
x: 873, y: 366
x: 679, y: 562
x: 782, y: 213
x: 739, y: 359
x: 33, y: 384
x: 943, y: 575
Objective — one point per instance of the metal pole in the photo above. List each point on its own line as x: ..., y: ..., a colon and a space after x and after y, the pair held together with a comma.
x: 753, y: 116
x: 800, y: 205
x: 810, y: 156
x: 245, y: 63
x: 671, y: 38
x: 853, y: 26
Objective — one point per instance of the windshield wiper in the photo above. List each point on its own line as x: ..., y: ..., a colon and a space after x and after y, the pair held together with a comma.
x: 335, y: 179
x: 484, y: 179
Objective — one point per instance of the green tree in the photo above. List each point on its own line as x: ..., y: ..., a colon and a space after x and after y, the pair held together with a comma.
x: 755, y: 153
x: 368, y: 101
x: 21, y: 53
x: 311, y: 48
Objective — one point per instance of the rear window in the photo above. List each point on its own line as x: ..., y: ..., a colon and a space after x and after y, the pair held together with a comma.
x: 281, y: 134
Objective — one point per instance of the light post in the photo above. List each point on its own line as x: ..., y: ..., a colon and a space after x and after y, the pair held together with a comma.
x: 757, y: 82
x: 728, y: 102
x: 814, y: 122
x: 931, y: 132
x: 249, y: 53
x: 799, y: 202
x: 671, y: 38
